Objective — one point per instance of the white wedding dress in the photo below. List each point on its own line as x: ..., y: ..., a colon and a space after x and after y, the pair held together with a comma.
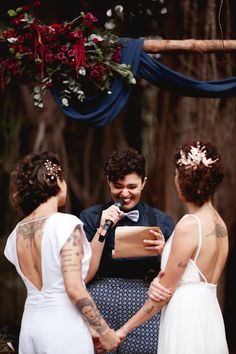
x: 192, y: 322
x: 51, y: 324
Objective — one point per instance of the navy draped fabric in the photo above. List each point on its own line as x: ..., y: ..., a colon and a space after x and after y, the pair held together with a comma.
x: 102, y: 108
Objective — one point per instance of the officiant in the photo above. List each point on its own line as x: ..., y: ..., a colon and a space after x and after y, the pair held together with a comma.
x: 119, y: 286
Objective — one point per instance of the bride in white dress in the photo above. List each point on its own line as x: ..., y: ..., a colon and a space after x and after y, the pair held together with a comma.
x: 51, y: 254
x: 192, y: 262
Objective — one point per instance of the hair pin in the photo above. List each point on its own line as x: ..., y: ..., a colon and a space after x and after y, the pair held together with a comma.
x: 53, y: 170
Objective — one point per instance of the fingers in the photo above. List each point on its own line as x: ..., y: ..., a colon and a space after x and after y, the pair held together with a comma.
x: 159, y: 295
x: 157, y: 244
x: 113, y: 213
x: 157, y: 291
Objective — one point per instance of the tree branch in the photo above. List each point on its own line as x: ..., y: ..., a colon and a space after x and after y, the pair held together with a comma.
x: 189, y: 45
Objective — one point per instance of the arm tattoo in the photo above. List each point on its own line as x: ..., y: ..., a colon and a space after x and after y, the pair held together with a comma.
x: 181, y: 265
x: 75, y: 238
x: 75, y: 250
x: 90, y: 313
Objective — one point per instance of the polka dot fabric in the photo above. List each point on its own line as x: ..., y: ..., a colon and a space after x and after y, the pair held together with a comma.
x: 117, y: 300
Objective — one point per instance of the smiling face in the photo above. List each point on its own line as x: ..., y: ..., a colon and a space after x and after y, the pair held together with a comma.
x: 128, y: 188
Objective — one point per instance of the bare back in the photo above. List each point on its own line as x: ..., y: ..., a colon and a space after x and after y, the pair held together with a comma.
x: 28, y: 245
x: 214, y: 249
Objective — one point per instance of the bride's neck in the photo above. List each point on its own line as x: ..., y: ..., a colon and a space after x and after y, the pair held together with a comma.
x: 193, y: 208
x: 44, y: 209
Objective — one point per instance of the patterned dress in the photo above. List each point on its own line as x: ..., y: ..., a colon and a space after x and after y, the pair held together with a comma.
x: 120, y: 286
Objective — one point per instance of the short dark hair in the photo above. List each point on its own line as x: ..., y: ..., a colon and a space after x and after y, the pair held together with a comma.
x: 31, y: 183
x: 198, y: 182
x: 123, y: 162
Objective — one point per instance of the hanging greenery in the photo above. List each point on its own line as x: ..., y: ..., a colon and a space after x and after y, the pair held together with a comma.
x: 73, y: 56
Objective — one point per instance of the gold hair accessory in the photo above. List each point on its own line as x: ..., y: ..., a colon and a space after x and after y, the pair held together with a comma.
x: 195, y: 157
x: 53, y: 170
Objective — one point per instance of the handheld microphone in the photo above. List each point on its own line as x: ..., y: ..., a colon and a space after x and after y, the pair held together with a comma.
x: 108, y: 224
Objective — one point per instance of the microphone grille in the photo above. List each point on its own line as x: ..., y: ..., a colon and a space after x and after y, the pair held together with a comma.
x: 119, y: 203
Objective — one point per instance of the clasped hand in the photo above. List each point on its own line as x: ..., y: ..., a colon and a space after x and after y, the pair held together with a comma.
x: 158, y: 292
x: 107, y: 342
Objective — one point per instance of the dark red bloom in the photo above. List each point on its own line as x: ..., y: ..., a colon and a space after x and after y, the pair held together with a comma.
x: 95, y: 40
x: 89, y: 19
x: 25, y: 8
x: 56, y: 25
x: 97, y: 71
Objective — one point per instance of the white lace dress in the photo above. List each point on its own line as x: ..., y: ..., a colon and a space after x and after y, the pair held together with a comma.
x: 192, y: 322
x: 51, y: 324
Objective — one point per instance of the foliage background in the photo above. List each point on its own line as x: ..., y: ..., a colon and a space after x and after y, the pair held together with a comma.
x: 153, y: 121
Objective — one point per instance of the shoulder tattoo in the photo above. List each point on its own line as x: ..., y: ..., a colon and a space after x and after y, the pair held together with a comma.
x: 31, y: 230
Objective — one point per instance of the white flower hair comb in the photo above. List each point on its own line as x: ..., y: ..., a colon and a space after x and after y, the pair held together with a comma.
x: 195, y: 157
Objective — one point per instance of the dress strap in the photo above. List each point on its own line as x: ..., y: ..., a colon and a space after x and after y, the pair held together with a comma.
x: 199, y: 245
x: 200, y: 237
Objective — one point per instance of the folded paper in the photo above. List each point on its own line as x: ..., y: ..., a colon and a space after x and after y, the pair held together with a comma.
x: 129, y: 241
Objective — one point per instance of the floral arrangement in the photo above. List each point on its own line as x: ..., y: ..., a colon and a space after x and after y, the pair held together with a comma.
x: 75, y: 57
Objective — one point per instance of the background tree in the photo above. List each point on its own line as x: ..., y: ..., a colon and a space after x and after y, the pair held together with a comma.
x: 153, y: 121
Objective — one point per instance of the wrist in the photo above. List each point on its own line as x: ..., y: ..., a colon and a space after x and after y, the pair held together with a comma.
x: 101, y: 232
x: 125, y: 329
x: 105, y: 332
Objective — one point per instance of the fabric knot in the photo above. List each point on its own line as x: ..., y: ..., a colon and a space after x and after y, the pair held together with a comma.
x: 132, y: 215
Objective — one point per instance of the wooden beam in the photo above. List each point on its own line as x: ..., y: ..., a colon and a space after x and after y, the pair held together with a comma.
x: 189, y: 45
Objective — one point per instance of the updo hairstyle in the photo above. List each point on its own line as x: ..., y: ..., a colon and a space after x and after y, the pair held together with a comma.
x: 123, y: 162
x: 200, y: 170
x: 34, y: 181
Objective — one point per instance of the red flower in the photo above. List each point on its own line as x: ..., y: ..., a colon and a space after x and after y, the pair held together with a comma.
x: 25, y: 8
x: 56, y: 25
x: 116, y: 56
x: 71, y: 53
x: 95, y: 40
x: 97, y: 71
x: 32, y: 50
x: 89, y: 19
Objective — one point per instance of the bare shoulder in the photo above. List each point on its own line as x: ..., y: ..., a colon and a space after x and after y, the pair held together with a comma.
x: 185, y: 225
x: 220, y: 228
x: 186, y: 230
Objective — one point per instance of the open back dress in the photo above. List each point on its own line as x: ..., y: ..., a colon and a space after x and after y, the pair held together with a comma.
x: 51, y: 324
x: 192, y: 322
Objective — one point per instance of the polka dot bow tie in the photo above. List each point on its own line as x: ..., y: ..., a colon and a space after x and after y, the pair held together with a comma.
x: 132, y: 215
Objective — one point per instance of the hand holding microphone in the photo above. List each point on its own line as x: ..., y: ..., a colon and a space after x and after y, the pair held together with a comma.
x: 108, y: 223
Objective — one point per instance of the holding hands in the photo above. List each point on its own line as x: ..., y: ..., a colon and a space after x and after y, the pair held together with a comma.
x: 158, y: 292
x: 106, y: 342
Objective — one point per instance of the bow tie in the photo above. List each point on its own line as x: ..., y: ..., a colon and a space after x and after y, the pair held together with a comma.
x: 132, y: 215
